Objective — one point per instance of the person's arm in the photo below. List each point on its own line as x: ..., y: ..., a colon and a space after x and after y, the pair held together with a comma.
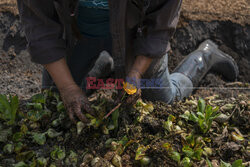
x: 158, y: 26
x: 139, y: 67
x: 60, y: 73
x: 44, y: 34
x: 43, y: 30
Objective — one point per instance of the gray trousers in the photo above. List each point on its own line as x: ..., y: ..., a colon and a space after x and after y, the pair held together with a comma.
x: 173, y: 87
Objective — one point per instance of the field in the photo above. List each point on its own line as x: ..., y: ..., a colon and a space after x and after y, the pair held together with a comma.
x: 37, y: 132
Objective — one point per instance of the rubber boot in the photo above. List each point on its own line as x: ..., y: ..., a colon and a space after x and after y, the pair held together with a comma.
x: 103, y: 66
x: 208, y: 58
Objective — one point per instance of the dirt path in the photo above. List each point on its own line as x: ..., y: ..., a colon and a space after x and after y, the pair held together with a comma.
x: 223, y: 10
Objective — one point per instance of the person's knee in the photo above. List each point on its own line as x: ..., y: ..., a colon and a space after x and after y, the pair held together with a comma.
x: 165, y: 94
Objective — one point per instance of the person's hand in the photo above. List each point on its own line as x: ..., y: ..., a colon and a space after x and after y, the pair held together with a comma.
x: 133, y: 79
x: 74, y: 100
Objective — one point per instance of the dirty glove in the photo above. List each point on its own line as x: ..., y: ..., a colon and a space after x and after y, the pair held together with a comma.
x: 74, y: 100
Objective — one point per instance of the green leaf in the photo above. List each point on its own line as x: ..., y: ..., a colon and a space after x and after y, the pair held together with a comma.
x: 5, y: 133
x: 8, y: 108
x: 171, y: 118
x: 188, y: 151
x: 115, y: 117
x: 190, y: 140
x: 39, y: 138
x: 18, y: 136
x: 14, y: 103
x: 52, y: 133
x: 141, y: 152
x: 209, y: 163
x: 36, y: 115
x: 186, y: 162
x: 197, y: 154
x: 24, y: 129
x: 20, y: 164
x: 123, y: 141
x: 201, y: 105
x: 168, y: 125
x: 25, y: 156
x: 193, y: 117
x: 176, y: 156
x: 60, y: 106
x: 215, y: 116
x: 53, y: 154
x: 41, y: 161
x: 203, y: 125
x: 38, y: 98
x: 209, y: 112
x: 167, y: 146
x: 61, y: 154
x: 224, y: 164
x: 237, y: 163
x: 8, y: 148
x: 72, y: 157
x: 58, y: 153
x: 5, y: 107
x: 35, y: 106
x: 18, y: 147
x: 186, y: 117
x: 200, y: 115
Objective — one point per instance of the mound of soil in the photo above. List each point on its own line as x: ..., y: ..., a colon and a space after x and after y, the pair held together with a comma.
x: 18, y: 74
x: 232, y: 38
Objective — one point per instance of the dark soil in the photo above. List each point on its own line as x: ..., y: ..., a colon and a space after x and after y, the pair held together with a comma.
x: 20, y: 76
x: 233, y: 39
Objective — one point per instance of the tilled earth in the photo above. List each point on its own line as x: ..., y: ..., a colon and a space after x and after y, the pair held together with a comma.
x: 225, y: 22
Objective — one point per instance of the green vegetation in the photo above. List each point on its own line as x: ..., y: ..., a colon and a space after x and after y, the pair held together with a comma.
x: 203, y: 117
x: 8, y: 108
x: 43, y: 125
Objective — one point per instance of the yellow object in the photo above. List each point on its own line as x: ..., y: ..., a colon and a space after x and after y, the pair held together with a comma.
x: 129, y: 88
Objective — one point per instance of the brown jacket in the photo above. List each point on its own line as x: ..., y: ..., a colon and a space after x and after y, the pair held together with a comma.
x: 47, y: 25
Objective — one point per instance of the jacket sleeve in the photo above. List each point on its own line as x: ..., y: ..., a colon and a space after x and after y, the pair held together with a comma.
x: 158, y: 26
x: 43, y: 30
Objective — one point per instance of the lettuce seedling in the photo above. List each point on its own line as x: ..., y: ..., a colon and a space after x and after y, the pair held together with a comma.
x: 204, y: 116
x: 8, y: 108
x: 237, y: 163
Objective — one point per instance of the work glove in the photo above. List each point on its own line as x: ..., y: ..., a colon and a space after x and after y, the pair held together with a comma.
x: 75, y: 100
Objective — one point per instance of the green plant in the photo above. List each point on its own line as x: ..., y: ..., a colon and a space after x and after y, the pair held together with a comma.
x: 115, y: 119
x: 37, y: 108
x: 168, y: 125
x: 8, y: 108
x: 141, y: 152
x: 237, y: 163
x: 58, y: 153
x: 204, y: 116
